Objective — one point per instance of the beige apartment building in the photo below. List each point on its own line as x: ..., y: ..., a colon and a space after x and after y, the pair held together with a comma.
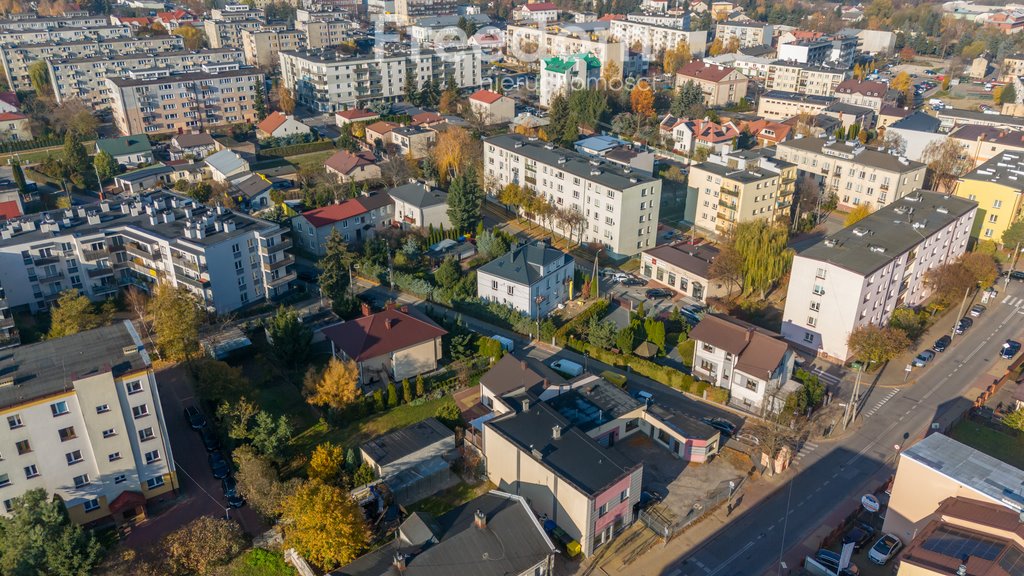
x: 85, y: 78
x: 1012, y: 67
x: 408, y: 11
x: 855, y: 173
x: 222, y: 34
x: 983, y: 143
x: 152, y: 103
x: 61, y: 35
x: 778, y: 106
x: 803, y: 78
x: 749, y: 33
x: 721, y: 85
x: 261, y: 46
x: 84, y: 422
x: 326, y: 33
x: 534, y: 45
x: 862, y: 93
x: 654, y: 39
x: 740, y: 187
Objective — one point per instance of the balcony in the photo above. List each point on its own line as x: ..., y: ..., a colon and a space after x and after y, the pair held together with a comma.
x: 280, y: 263
x: 99, y: 272
x: 142, y: 268
x: 98, y: 289
x: 186, y: 263
x: 135, y: 250
x: 6, y: 323
x: 282, y: 244
x: 44, y: 260
x: 282, y: 279
x: 726, y: 204
x: 52, y: 277
x: 93, y: 255
x: 193, y: 282
x: 730, y: 191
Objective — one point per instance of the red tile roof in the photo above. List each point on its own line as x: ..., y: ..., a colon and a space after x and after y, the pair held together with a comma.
x: 129, y: 20
x: 485, y: 96
x: 8, y: 116
x: 382, y: 127
x: 379, y: 334
x: 9, y: 210
x: 175, y: 15
x: 427, y: 118
x: 711, y: 72
x: 345, y: 162
x: 357, y: 114
x: 320, y: 217
x: 272, y: 122
x: 610, y: 17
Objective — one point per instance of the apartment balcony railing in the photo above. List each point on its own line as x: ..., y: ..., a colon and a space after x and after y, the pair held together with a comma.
x: 193, y: 282
x: 282, y: 279
x: 93, y: 255
x: 726, y: 204
x: 44, y: 260
x: 282, y: 244
x: 6, y: 323
x: 137, y: 251
x: 187, y: 264
x: 104, y: 288
x: 99, y: 272
x: 53, y: 277
x: 280, y: 263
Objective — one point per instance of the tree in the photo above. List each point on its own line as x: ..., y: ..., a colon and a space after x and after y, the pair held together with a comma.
x: 19, y: 176
x: 74, y: 115
x: 761, y: 247
x: 876, y: 344
x: 716, y: 47
x: 105, y: 165
x: 203, y: 544
x: 859, y: 212
x: 74, y: 313
x: 981, y: 266
x: 39, y: 76
x: 946, y: 162
x: 448, y: 273
x: 285, y: 99
x: 491, y: 245
x: 610, y: 73
x: 1014, y: 234
x: 406, y: 391
x: 38, y: 538
x: 449, y: 414
x: 456, y: 152
x: 464, y: 200
x: 728, y: 265
x: 420, y: 386
x: 641, y: 99
x: 337, y: 387
x: 176, y: 318
x: 903, y: 84
x: 561, y: 128
x: 327, y: 464
x: 392, y: 395
x: 601, y: 333
x: 1008, y: 95
x: 217, y: 381
x: 676, y: 58
x: 290, y: 338
x: 192, y: 37
x: 324, y: 524
x: 258, y: 482
x: 895, y: 143
x: 259, y: 101
x: 1015, y: 420
x: 412, y: 93
x: 334, y: 266
x: 76, y: 158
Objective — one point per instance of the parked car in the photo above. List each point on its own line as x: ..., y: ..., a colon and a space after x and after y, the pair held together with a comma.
x: 195, y: 418
x: 620, y: 277
x: 977, y: 310
x: 861, y: 534
x: 218, y: 465
x: 1009, y: 349
x: 230, y: 488
x: 720, y: 424
x: 634, y: 281
x: 830, y: 560
x: 210, y: 441
x: 923, y: 358
x: 963, y: 325
x: 567, y: 367
x: 1017, y: 275
x: 658, y: 293
x: 883, y: 550
x: 942, y: 343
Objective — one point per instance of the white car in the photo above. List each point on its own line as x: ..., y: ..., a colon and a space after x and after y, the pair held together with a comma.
x: 620, y: 277
x: 885, y: 549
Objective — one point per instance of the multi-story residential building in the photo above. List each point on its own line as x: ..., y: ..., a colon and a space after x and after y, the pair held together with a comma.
x: 325, y: 13
x: 236, y: 13
x: 48, y: 22
x: 408, y: 11
x: 855, y: 173
x: 262, y: 45
x: 654, y: 39
x: 540, y: 13
x: 91, y: 431
x: 226, y: 30
x: 735, y: 187
x: 860, y: 274
x: 1012, y: 67
x: 620, y: 205
x: 777, y: 105
x: 998, y: 189
x: 721, y: 85
x: 328, y: 82
x: 685, y: 268
x: 754, y: 364
x: 803, y: 78
x: 862, y: 93
x: 322, y: 34
x: 17, y: 58
x: 838, y: 52
x: 564, y: 75
x: 532, y: 278
x: 982, y: 143
x: 62, y: 35
x: 530, y: 45
x: 356, y: 220
x: 228, y: 260
x: 152, y: 102
x: 85, y: 78
x: 749, y: 33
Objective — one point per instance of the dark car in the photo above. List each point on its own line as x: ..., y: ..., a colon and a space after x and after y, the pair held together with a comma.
x: 655, y: 293
x: 963, y: 325
x: 218, y: 465
x: 720, y: 424
x: 230, y: 488
x: 861, y: 534
x: 634, y: 282
x: 1009, y: 349
x: 942, y: 343
x: 1017, y: 275
x: 210, y: 441
x: 195, y: 418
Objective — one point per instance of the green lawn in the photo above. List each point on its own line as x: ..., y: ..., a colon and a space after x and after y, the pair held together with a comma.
x: 451, y: 498
x: 1004, y: 447
x: 312, y: 158
x: 686, y: 352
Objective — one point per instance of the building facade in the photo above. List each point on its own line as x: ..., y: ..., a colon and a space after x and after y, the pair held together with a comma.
x: 564, y: 75
x: 862, y: 93
x: 736, y: 187
x: 533, y: 278
x: 803, y: 79
x: 654, y: 39
x: 776, y: 105
x: 684, y: 268
x: 748, y: 33
x: 995, y: 186
x: 721, y: 85
x: 262, y: 45
x: 530, y: 45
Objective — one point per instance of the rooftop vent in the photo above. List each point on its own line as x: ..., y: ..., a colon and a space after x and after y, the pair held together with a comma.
x: 942, y: 210
x: 860, y: 231
x: 876, y: 249
x: 129, y: 350
x: 915, y: 197
x: 6, y: 381
x: 549, y: 146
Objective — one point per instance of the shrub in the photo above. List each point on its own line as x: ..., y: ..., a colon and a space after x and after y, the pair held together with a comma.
x: 595, y: 310
x: 295, y: 150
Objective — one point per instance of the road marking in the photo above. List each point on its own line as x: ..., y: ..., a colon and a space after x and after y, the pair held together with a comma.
x: 731, y: 558
x: 881, y: 403
x: 807, y: 448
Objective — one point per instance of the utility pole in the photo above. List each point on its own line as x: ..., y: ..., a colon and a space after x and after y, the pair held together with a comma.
x: 1013, y: 265
x: 850, y: 414
x: 960, y: 314
x: 595, y: 279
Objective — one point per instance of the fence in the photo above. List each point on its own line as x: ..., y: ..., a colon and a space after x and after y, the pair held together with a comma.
x: 301, y: 566
x: 667, y: 526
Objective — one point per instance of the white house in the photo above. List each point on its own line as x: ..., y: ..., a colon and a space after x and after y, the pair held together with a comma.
x: 419, y: 205
x: 562, y: 75
x: 277, y: 125
x: 539, y: 12
x: 225, y: 164
x: 492, y: 108
x: 532, y: 278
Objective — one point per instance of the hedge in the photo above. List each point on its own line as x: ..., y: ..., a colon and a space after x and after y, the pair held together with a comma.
x: 21, y: 145
x: 296, y: 149
x: 597, y: 309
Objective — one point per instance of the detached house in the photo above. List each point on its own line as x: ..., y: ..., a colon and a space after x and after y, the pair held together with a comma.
x: 127, y: 150
x: 533, y: 278
x: 862, y: 93
x: 492, y: 108
x: 198, y: 146
x: 720, y: 84
x: 225, y: 165
x: 277, y: 125
x: 356, y: 219
x: 688, y: 135
x: 419, y: 205
x: 351, y: 116
x: 413, y: 141
x: 754, y: 364
x: 353, y: 166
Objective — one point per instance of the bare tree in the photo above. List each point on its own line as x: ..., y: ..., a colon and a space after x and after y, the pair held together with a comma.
x: 947, y: 161
x: 138, y: 302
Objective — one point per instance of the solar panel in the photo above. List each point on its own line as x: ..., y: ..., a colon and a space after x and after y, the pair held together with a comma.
x: 1013, y: 561
x: 957, y: 544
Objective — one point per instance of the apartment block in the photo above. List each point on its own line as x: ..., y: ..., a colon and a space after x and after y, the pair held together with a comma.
x: 803, y: 79
x: 564, y: 75
x: 620, y: 204
x: 860, y: 274
x: 328, y: 33
x: 749, y: 33
x: 59, y: 35
x: 261, y: 46
x: 328, y: 82
x: 228, y: 260
x: 741, y: 186
x: 982, y: 143
x: 555, y: 41
x: 16, y: 59
x: 223, y: 34
x: 721, y: 85
x: 1012, y: 67
x: 855, y: 173
x: 85, y: 78
x: 408, y: 11
x: 998, y: 189
x: 655, y: 39
x: 48, y: 22
x: 152, y: 102
x: 838, y: 52
x: 84, y: 422
x: 862, y: 93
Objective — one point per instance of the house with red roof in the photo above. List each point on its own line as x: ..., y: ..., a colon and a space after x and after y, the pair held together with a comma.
x: 491, y: 107
x: 277, y: 125
x: 768, y: 133
x: 14, y: 127
x: 133, y: 22
x: 688, y: 135
x: 10, y: 204
x: 539, y: 12
x: 353, y: 166
x: 355, y: 219
x: 351, y: 116
x: 380, y: 131
x: 174, y: 19
x: 721, y: 85
x: 392, y: 345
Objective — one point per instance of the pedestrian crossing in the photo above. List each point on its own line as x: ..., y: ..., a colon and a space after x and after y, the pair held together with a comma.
x: 805, y: 450
x: 881, y: 402
x: 1013, y: 301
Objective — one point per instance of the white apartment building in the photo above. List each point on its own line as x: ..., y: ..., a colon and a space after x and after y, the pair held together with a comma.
x: 530, y: 45
x: 47, y: 22
x: 656, y: 19
x: 860, y: 274
x: 262, y: 45
x: 60, y: 35
x: 227, y: 259
x: 749, y: 33
x: 16, y: 59
x: 838, y: 52
x: 855, y: 173
x: 564, y: 75
x: 329, y: 83
x: 221, y: 33
x: 327, y: 33
x: 863, y: 93
x: 803, y: 78
x: 82, y: 419
x: 532, y: 278
x: 655, y: 39
x: 155, y: 101
x: 85, y: 78
x: 620, y: 205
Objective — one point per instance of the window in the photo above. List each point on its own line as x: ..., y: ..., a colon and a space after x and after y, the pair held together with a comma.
x: 707, y: 347
x: 120, y: 478
x: 59, y: 408
x: 9, y: 505
x: 80, y: 481
x: 23, y: 447
x: 819, y: 290
x: 494, y: 284
x: 602, y: 510
x: 67, y: 434
x: 708, y: 367
x: 15, y: 421
x: 155, y: 482
x: 751, y: 385
x: 992, y: 218
x: 808, y: 337
x: 74, y: 457
x: 624, y: 495
x: 31, y: 471
x: 5, y: 480
x: 102, y: 408
x: 997, y: 204
x: 811, y: 321
x: 816, y: 306
x: 134, y: 387
x: 820, y: 273
x: 91, y: 505
x: 109, y: 432
x: 153, y: 456
x: 510, y: 289
x: 140, y: 410
x: 145, y: 434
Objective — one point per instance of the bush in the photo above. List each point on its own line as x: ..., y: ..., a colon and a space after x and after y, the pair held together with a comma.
x: 413, y: 284
x: 295, y: 150
x: 595, y: 310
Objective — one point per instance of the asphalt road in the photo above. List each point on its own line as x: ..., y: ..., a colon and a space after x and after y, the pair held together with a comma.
x: 832, y: 473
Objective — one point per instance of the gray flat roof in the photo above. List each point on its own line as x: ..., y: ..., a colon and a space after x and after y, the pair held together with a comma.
x: 52, y: 366
x: 854, y: 152
x: 1006, y: 168
x: 894, y: 229
x: 981, y: 117
x: 969, y: 467
x: 797, y: 97
x: 405, y: 441
x: 419, y: 194
x: 184, y: 77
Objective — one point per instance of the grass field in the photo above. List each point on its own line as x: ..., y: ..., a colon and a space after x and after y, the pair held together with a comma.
x: 451, y: 498
x: 1007, y: 448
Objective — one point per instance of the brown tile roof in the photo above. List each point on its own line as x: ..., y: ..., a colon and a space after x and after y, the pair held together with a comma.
x: 357, y: 114
x: 711, y: 72
x: 759, y: 351
x: 427, y: 118
x: 272, y: 122
x: 382, y: 127
x: 345, y: 162
x: 382, y: 333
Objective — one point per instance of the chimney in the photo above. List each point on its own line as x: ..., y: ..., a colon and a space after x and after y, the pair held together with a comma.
x: 556, y: 432
x: 526, y: 404
x: 480, y: 519
x: 365, y: 309
x: 404, y: 308
x: 398, y: 561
